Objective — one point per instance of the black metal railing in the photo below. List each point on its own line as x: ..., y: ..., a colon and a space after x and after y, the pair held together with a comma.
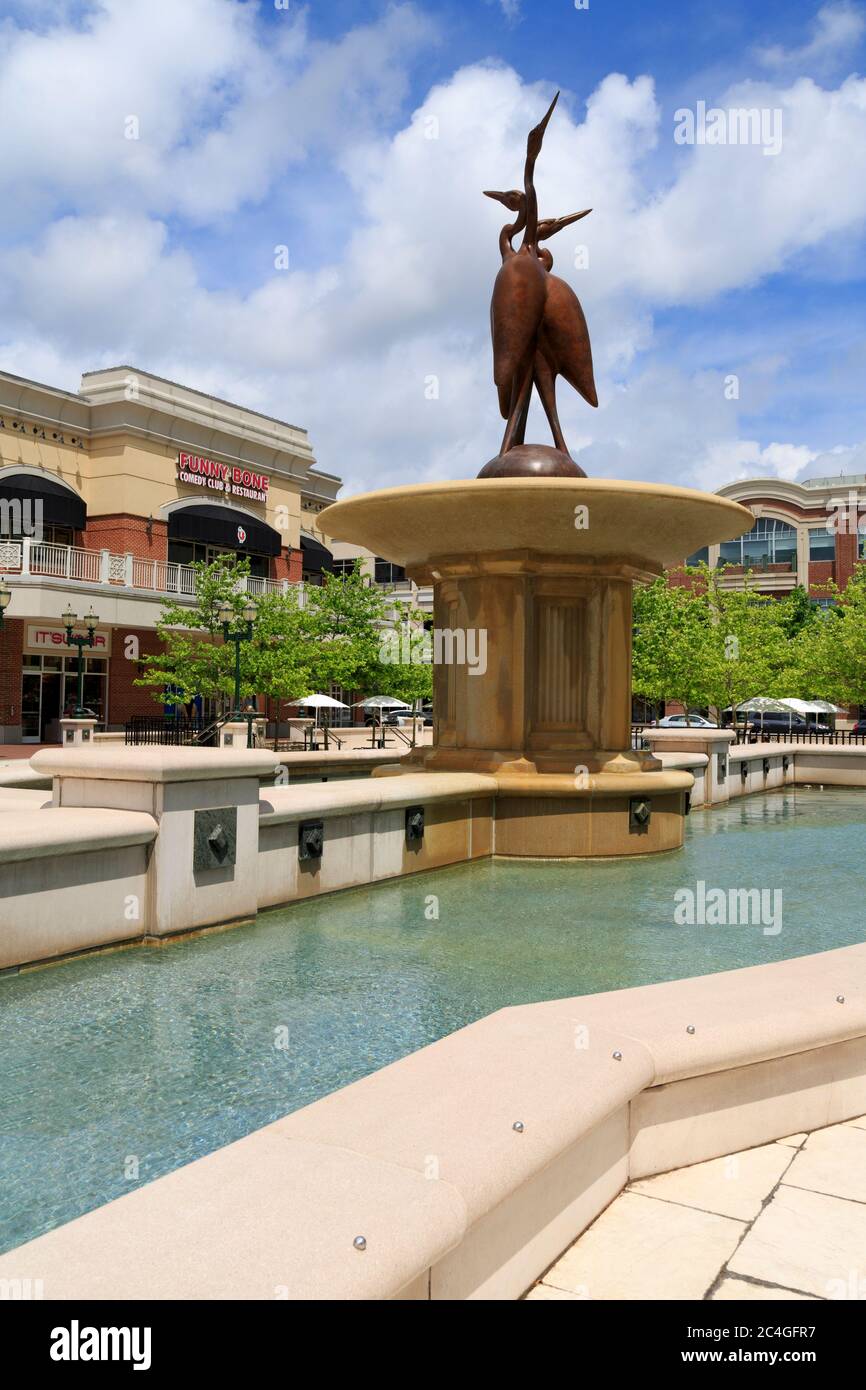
x: 144, y: 729
x: 754, y: 734
x: 832, y: 736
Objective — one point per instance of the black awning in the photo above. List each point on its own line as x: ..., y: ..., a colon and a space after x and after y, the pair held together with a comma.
x: 224, y: 526
x: 316, y: 557
x: 60, y: 506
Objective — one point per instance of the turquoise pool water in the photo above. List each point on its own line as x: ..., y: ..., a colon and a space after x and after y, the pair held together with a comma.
x: 118, y: 1068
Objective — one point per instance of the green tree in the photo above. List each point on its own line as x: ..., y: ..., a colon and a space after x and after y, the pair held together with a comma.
x: 830, y: 653
x: 192, y: 662
x: 747, y: 646
x: 669, y: 643
x: 335, y: 637
x: 404, y: 668
x: 707, y: 644
x: 279, y: 661
x: 345, y: 618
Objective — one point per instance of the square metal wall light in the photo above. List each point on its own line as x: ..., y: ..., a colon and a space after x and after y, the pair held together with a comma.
x: 311, y: 839
x: 215, y: 835
x: 414, y: 825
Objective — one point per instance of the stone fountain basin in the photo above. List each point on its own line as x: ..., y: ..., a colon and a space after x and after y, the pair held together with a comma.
x: 651, y: 526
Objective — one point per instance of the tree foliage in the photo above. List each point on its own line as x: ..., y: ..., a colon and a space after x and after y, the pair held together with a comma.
x: 710, y: 645
x: 333, y: 637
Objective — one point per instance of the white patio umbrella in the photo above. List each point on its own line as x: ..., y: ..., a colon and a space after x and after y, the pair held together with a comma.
x: 380, y: 702
x: 813, y: 706
x: 318, y: 702
x: 763, y: 704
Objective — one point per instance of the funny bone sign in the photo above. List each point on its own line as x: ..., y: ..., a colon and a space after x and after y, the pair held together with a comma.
x: 222, y: 477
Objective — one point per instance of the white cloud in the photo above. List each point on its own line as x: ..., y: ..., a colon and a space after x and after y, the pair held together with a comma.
x: 221, y: 110
x: 837, y: 28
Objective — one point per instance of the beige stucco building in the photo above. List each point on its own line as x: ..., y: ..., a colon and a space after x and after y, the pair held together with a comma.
x: 107, y: 497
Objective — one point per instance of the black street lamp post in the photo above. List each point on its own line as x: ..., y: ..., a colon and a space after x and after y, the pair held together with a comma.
x: 239, y: 635
x: 76, y: 639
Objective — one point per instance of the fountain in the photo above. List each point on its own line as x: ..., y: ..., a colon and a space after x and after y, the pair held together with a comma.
x: 541, y: 561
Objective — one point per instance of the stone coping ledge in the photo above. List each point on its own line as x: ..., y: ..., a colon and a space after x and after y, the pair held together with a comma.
x: 745, y: 751
x: 496, y: 1103
x: 159, y: 764
x: 18, y: 773
x: 556, y: 784
x: 739, y: 1016
x: 298, y: 801
x: 23, y: 798
x: 681, y: 760
x: 684, y: 731
x: 339, y: 756
x: 35, y: 834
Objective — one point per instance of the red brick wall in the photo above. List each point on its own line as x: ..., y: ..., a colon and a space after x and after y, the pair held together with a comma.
x: 124, y: 698
x: 820, y: 572
x: 287, y: 565
x: 846, y: 556
x: 11, y: 662
x: 127, y: 535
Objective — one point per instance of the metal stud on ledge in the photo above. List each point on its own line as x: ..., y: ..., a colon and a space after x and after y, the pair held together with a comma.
x: 360, y: 1242
x: 690, y: 1027
x: 518, y: 1126
x: 840, y: 999
x: 617, y: 1056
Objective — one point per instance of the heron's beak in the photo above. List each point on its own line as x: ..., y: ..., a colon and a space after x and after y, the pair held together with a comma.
x: 542, y: 126
x: 511, y: 199
x: 572, y: 217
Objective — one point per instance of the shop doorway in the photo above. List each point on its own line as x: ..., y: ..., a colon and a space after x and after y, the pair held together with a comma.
x: 41, y: 695
x: 49, y: 689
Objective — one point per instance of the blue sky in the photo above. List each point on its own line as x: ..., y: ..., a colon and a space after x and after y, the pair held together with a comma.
x: 310, y: 127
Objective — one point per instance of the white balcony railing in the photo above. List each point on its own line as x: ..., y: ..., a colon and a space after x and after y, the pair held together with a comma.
x: 28, y: 558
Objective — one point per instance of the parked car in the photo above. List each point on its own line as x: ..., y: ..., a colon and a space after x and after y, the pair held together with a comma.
x: 400, y: 717
x: 859, y: 727
x: 679, y: 721
x: 776, y: 722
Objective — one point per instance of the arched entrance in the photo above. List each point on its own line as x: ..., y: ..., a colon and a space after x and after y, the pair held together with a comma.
x: 204, y: 532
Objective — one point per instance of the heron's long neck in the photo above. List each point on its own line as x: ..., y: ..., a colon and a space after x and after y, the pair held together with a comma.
x: 509, y: 231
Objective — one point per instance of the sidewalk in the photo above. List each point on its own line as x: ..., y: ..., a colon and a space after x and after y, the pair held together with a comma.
x: 783, y: 1221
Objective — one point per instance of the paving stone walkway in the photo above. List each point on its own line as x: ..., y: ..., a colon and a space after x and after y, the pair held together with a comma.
x: 783, y: 1221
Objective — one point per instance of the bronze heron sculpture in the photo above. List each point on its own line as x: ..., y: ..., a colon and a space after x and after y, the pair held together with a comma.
x: 538, y: 327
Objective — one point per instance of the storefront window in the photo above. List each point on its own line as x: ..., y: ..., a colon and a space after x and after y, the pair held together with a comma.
x: 822, y: 543
x: 769, y: 543
x: 197, y: 552
x: 49, y: 690
x: 386, y: 573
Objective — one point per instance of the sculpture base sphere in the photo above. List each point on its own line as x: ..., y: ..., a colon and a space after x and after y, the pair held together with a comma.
x: 532, y: 461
